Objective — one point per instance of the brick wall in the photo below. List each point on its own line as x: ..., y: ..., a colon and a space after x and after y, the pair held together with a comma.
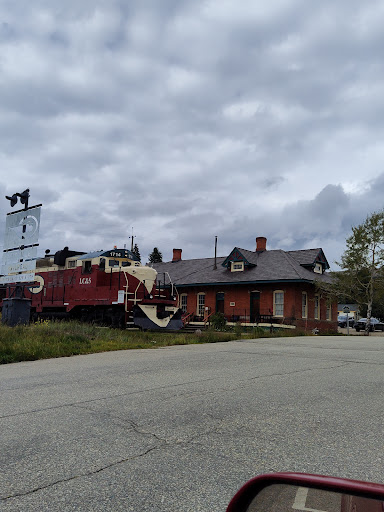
x: 240, y: 295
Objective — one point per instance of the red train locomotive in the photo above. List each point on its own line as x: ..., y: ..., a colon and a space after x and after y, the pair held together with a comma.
x: 108, y: 287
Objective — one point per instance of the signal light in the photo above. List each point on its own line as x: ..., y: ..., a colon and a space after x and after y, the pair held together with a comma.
x: 13, y: 199
x: 23, y: 198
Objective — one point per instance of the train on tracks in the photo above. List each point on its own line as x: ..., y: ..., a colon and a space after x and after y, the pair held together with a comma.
x: 106, y: 287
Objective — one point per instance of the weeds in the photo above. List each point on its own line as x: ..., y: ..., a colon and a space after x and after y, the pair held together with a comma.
x: 49, y: 339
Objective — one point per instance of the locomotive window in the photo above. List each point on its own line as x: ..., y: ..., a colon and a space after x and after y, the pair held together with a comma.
x: 126, y: 264
x: 113, y: 263
x: 102, y: 264
x: 87, y: 267
x: 72, y: 264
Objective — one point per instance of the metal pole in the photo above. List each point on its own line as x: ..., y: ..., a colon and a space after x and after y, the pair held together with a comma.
x: 21, y: 287
x: 215, y: 265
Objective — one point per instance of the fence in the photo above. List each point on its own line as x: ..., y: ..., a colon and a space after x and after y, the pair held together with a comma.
x: 243, y: 316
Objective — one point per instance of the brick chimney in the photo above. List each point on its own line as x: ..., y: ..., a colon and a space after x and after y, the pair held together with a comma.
x: 261, y: 244
x: 176, y: 255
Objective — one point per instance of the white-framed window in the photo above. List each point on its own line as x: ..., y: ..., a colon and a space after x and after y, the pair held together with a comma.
x: 183, y: 302
x: 200, y: 304
x: 237, y: 266
x: 72, y: 263
x: 304, y: 305
x: 317, y: 307
x: 318, y: 268
x: 278, y: 303
x: 328, y: 312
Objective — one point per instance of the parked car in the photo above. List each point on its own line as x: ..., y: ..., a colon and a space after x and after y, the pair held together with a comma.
x: 376, y: 325
x: 342, y: 321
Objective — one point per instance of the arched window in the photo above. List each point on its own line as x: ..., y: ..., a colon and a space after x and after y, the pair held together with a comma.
x: 183, y: 302
x: 304, y: 305
x: 200, y: 304
x: 278, y: 303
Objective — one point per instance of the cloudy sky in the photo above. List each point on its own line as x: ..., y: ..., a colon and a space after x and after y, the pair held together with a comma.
x: 187, y: 119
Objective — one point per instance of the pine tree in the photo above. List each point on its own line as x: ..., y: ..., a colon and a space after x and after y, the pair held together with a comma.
x: 136, y: 252
x: 155, y: 256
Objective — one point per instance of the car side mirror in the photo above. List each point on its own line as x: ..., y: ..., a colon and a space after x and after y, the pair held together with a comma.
x: 287, y: 492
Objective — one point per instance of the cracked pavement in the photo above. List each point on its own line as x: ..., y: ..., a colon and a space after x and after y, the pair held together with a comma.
x: 181, y: 428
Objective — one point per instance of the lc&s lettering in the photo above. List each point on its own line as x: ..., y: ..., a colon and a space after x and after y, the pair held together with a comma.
x: 85, y: 280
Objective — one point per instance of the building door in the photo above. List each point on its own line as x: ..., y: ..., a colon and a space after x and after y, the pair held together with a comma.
x: 220, y: 302
x: 254, y: 307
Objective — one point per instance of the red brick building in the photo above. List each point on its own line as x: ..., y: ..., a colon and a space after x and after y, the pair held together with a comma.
x: 254, y: 286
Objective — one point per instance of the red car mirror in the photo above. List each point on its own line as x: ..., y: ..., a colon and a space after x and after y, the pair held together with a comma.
x: 287, y: 492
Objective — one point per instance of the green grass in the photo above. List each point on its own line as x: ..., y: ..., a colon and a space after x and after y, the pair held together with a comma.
x: 61, y: 339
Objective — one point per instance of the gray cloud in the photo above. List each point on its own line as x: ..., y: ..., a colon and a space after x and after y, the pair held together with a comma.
x: 190, y: 119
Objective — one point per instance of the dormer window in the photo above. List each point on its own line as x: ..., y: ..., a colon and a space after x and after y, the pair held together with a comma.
x: 318, y: 268
x: 237, y: 266
x: 237, y: 262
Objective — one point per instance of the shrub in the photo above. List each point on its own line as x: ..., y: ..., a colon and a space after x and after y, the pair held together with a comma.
x: 218, y: 321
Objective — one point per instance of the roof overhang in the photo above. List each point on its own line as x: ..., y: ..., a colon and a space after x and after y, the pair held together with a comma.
x: 237, y: 283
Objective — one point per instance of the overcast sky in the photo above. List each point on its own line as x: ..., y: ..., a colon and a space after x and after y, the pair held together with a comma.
x: 186, y: 119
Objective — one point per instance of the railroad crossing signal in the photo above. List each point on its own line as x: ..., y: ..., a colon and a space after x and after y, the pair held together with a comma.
x: 23, y: 198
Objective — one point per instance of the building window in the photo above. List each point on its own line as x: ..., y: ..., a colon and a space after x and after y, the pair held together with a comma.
x: 237, y: 266
x: 304, y: 305
x: 318, y: 268
x: 317, y: 307
x: 200, y: 304
x: 278, y: 303
x: 328, y: 312
x: 183, y: 302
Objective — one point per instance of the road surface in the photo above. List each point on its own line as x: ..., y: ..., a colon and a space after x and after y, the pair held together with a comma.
x: 181, y: 428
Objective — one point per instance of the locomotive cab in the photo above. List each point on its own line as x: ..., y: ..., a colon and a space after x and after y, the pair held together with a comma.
x: 104, y: 261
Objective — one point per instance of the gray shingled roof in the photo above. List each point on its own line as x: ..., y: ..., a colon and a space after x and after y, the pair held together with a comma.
x: 276, y: 265
x: 308, y: 256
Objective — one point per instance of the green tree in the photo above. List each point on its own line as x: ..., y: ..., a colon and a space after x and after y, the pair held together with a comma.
x: 361, y: 279
x: 155, y: 256
x: 136, y: 252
